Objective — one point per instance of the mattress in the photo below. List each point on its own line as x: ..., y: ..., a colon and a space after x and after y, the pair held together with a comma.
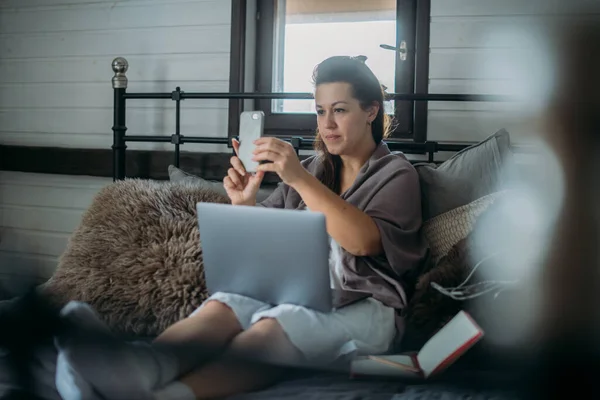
x: 340, y: 387
x: 332, y: 387
x: 472, y: 385
x: 455, y: 384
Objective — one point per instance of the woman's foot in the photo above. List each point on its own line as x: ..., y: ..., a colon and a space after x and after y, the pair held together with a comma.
x: 94, y: 362
x: 69, y: 384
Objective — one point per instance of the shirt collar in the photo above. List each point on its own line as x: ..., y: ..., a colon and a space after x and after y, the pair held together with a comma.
x: 380, y: 151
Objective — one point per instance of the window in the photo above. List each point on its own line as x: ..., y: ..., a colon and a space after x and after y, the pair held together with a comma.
x: 293, y: 36
x: 308, y: 32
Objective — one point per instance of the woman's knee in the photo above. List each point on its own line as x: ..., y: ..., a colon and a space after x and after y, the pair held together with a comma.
x: 216, y: 307
x: 262, y: 333
x: 267, y: 341
x: 219, y: 316
x: 213, y: 323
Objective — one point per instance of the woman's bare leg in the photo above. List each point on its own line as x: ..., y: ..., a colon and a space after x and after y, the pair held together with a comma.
x: 214, y: 324
x: 202, y: 336
x: 265, y: 341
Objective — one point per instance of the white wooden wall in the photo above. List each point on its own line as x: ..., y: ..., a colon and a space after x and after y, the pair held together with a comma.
x: 55, y: 90
x: 484, y: 47
x: 38, y: 212
x: 55, y: 69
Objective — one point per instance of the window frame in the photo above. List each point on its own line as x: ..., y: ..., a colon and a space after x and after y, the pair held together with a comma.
x: 411, y: 75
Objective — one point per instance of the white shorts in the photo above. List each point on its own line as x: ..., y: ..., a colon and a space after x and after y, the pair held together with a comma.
x: 365, y: 327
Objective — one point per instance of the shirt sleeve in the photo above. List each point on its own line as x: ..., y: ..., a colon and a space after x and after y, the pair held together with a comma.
x: 277, y: 198
x: 396, y: 210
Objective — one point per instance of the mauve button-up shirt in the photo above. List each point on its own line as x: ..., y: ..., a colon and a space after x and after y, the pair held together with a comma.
x: 387, y: 189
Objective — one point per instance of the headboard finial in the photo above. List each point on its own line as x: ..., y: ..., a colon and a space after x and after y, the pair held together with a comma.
x: 120, y: 67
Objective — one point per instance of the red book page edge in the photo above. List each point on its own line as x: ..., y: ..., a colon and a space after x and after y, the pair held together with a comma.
x: 416, y: 362
x: 459, y: 351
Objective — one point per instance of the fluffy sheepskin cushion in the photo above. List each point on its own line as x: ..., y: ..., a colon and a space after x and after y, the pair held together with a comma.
x: 136, y: 256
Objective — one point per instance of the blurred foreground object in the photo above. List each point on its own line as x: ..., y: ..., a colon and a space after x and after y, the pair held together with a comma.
x: 570, y: 278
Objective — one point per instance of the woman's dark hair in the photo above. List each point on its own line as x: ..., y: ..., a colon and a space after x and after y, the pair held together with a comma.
x: 367, y: 89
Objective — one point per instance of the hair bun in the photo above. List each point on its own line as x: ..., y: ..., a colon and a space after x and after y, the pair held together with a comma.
x: 362, y: 59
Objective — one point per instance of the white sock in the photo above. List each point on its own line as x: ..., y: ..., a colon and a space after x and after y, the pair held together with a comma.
x: 69, y: 384
x: 175, y: 391
x: 111, y: 366
x: 160, y: 366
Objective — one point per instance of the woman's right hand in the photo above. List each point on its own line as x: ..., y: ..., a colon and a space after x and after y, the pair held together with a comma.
x: 241, y: 186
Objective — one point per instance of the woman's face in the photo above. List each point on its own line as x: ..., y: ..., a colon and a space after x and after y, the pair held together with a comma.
x: 343, y: 124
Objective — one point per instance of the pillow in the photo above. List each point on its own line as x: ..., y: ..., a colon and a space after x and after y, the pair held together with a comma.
x: 136, y: 256
x: 446, y: 230
x: 428, y: 309
x: 178, y: 175
x: 470, y: 174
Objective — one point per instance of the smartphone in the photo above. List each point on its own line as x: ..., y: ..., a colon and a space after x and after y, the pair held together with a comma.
x: 251, y: 128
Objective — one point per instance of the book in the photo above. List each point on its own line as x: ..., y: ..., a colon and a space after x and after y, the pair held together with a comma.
x: 439, y: 352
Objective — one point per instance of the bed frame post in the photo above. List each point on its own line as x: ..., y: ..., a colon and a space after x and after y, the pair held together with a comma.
x: 119, y: 84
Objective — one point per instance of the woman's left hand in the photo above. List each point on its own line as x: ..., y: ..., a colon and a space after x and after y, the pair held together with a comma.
x: 282, y: 157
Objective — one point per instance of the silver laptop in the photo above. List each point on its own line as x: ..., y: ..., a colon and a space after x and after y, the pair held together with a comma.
x: 276, y: 256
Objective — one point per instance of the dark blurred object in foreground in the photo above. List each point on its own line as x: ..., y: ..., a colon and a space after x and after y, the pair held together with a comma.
x: 27, y: 324
x: 569, y: 351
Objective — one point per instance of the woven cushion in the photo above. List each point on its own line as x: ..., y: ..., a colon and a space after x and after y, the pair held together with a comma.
x: 447, y: 229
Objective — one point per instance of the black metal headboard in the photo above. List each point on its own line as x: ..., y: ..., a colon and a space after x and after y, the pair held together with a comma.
x: 120, y: 138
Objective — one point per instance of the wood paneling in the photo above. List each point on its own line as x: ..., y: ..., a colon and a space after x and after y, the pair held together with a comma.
x: 98, y: 162
x: 51, y: 4
x: 33, y: 242
x: 121, y: 16
x: 97, y: 141
x: 98, y: 95
x: 475, y: 126
x: 473, y: 64
x: 45, y: 193
x: 489, y: 47
x: 488, y: 33
x: 37, y: 214
x: 25, y: 268
x: 39, y: 218
x: 20, y: 180
x: 203, y: 39
x: 201, y: 122
x: 56, y: 96
x: 174, y: 69
x: 472, y: 8
x: 474, y: 86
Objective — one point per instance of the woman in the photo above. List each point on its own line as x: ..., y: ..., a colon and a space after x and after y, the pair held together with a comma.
x: 371, y: 201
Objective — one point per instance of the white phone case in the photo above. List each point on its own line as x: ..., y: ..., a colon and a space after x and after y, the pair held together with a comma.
x: 251, y: 128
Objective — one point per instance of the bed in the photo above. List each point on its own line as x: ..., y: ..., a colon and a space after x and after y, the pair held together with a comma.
x: 478, y: 165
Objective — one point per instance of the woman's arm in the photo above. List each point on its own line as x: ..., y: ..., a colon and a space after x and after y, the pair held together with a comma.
x: 350, y: 227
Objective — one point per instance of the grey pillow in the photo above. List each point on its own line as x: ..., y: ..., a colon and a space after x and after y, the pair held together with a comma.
x: 178, y: 175
x: 474, y: 172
